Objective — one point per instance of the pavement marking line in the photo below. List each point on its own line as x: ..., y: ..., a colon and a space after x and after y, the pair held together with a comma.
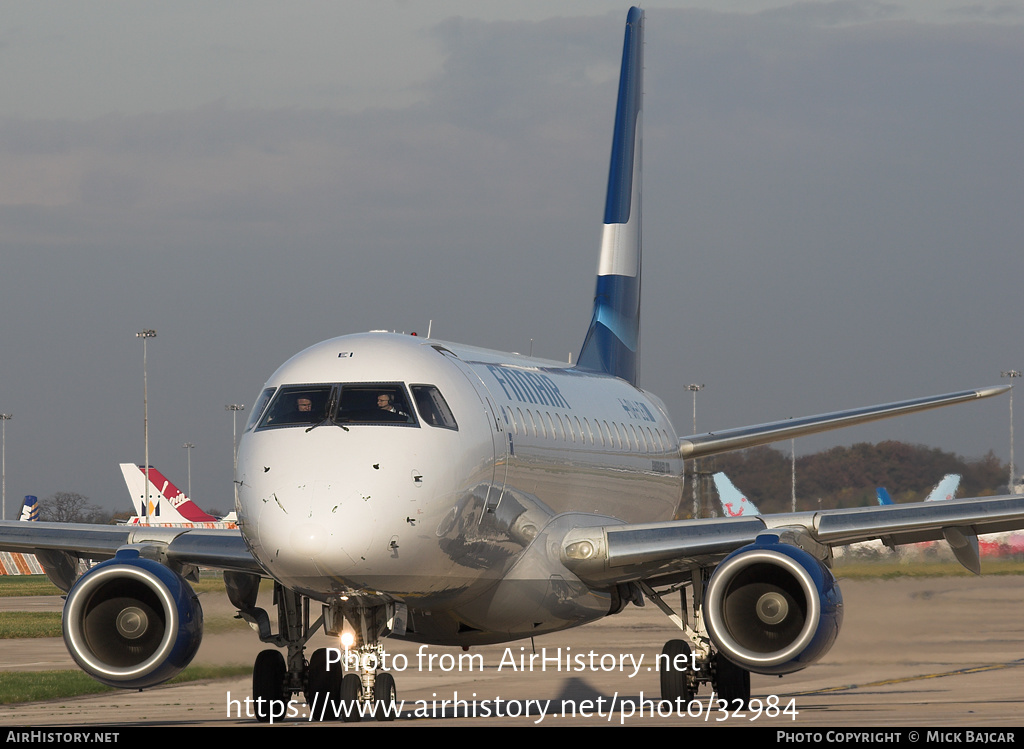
x: 919, y: 677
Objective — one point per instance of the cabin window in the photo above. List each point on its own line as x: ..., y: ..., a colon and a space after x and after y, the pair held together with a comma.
x: 433, y: 407
x: 623, y: 439
x: 510, y: 419
x: 561, y: 426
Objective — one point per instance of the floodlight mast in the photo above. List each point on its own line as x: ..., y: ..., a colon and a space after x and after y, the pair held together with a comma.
x: 1011, y: 373
x: 3, y: 503
x: 145, y: 335
x: 189, y: 447
x: 694, y: 388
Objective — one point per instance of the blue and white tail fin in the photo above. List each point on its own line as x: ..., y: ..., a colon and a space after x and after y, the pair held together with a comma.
x: 14, y: 563
x: 883, y: 496
x: 30, y: 510
x: 734, y: 504
x: 612, y: 344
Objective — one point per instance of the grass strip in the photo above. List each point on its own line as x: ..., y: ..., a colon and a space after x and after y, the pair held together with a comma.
x: 36, y: 686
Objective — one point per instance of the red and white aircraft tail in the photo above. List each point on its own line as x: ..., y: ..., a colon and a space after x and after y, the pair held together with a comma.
x: 166, y: 504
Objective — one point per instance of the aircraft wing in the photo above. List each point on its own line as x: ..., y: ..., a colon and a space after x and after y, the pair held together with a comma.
x: 712, y: 443
x: 220, y: 549
x: 659, y: 553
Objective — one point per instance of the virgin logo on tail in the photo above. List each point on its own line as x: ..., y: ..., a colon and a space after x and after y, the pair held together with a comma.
x: 165, y: 504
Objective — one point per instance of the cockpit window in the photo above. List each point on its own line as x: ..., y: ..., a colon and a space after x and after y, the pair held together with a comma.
x: 343, y: 404
x: 257, y: 410
x: 433, y: 407
x: 374, y: 404
x: 295, y: 405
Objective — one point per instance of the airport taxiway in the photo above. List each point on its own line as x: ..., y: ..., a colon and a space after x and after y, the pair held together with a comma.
x: 943, y: 651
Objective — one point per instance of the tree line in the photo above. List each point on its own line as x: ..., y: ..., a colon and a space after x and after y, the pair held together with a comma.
x: 848, y: 476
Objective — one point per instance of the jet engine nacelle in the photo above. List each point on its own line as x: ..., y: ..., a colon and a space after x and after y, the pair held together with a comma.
x: 132, y: 622
x: 772, y: 608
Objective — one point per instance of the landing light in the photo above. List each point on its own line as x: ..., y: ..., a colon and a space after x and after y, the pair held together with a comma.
x: 347, y: 639
x: 580, y: 550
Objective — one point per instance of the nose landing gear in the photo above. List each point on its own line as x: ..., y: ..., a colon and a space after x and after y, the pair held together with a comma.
x: 337, y: 685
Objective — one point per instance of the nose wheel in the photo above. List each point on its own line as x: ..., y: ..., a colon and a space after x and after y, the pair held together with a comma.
x: 351, y: 696
x: 268, y: 685
x: 330, y: 692
x: 324, y: 685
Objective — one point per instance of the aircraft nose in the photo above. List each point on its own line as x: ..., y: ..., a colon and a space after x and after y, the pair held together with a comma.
x: 302, y: 529
x: 307, y: 539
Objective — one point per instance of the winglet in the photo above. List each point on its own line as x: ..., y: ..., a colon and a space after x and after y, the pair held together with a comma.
x: 612, y: 344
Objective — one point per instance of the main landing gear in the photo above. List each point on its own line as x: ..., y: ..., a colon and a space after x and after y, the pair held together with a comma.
x: 337, y: 684
x: 687, y: 663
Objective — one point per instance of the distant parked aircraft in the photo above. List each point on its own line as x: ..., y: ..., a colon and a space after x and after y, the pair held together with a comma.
x: 167, y: 505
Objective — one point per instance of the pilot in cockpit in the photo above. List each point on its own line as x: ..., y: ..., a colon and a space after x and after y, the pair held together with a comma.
x: 385, y: 402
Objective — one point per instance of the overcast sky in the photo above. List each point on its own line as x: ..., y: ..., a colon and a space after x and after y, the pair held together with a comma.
x: 834, y: 208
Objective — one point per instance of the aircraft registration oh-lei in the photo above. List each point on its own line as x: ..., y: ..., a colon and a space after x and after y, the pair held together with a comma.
x: 456, y: 496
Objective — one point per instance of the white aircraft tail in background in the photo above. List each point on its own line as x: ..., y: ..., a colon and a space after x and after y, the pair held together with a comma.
x: 945, y: 489
x: 166, y: 504
x: 734, y: 504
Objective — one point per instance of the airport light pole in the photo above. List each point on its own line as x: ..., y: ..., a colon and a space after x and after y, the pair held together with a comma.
x: 1011, y: 373
x: 3, y: 504
x: 188, y: 451
x: 234, y: 408
x: 145, y: 335
x: 792, y: 451
x: 694, y: 388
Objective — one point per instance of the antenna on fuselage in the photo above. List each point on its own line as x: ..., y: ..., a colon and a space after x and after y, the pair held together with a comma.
x: 430, y: 325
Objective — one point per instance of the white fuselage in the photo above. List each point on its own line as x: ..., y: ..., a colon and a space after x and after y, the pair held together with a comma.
x: 438, y: 514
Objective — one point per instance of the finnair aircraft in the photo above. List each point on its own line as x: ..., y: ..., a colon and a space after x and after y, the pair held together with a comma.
x: 394, y: 486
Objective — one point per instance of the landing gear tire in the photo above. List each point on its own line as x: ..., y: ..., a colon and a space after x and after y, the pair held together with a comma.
x: 732, y: 682
x: 385, y: 696
x: 675, y: 682
x: 323, y: 693
x: 268, y: 675
x: 351, y: 694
